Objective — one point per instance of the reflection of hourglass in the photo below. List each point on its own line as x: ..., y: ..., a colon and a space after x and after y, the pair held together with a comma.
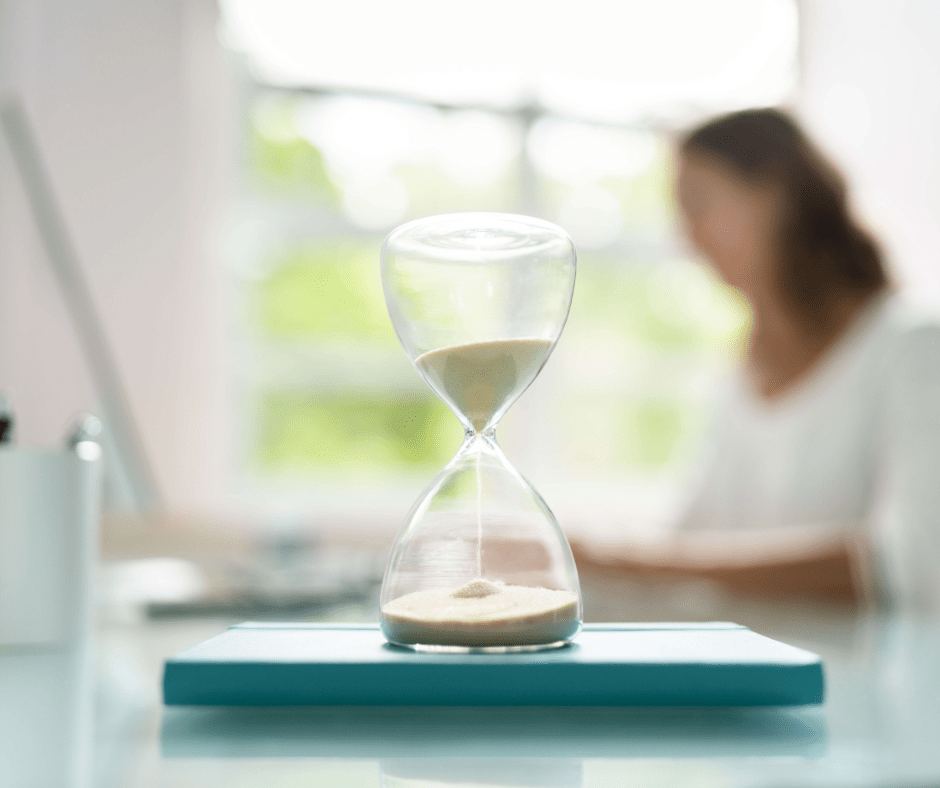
x: 496, y: 772
x: 478, y: 301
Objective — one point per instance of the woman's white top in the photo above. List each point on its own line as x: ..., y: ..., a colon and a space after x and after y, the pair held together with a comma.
x: 854, y: 446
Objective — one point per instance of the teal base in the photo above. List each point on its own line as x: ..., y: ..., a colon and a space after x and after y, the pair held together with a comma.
x: 608, y: 665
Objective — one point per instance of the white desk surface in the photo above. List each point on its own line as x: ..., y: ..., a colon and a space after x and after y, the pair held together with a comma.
x: 879, y: 726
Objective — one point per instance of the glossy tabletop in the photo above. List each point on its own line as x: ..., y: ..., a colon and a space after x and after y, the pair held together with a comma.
x: 92, y: 716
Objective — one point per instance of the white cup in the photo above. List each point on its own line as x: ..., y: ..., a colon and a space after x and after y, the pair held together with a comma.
x: 50, y: 503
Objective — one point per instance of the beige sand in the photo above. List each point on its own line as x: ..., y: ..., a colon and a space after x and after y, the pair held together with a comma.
x: 480, y: 377
x: 480, y: 614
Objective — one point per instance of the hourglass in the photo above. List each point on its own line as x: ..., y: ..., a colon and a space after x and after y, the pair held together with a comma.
x: 478, y: 301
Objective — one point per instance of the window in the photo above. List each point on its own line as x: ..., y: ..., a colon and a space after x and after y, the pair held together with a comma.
x: 330, y: 409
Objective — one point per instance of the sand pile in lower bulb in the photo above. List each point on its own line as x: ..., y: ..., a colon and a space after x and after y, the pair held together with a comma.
x: 482, y: 613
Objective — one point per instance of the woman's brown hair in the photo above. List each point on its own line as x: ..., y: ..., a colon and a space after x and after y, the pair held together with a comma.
x: 825, y: 254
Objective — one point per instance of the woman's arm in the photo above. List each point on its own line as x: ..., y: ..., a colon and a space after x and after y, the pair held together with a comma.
x: 825, y: 570
x: 827, y: 576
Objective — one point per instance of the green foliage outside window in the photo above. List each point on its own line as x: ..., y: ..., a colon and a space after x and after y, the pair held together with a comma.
x: 664, y: 306
x: 324, y: 291
x: 353, y: 430
x: 283, y: 161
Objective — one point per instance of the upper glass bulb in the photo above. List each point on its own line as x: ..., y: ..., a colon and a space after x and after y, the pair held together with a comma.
x: 478, y: 301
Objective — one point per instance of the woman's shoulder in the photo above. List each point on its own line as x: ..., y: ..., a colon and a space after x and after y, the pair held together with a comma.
x: 908, y: 357
x: 911, y: 330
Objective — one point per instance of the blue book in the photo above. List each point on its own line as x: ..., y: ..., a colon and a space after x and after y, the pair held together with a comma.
x: 709, y: 664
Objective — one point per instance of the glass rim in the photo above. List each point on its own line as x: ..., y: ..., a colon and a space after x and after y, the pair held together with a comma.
x: 475, y: 237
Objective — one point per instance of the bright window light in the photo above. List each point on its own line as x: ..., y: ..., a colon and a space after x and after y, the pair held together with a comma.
x: 578, y: 153
x: 597, y: 59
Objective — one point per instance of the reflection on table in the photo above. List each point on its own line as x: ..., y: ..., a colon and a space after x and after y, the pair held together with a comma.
x: 546, y: 732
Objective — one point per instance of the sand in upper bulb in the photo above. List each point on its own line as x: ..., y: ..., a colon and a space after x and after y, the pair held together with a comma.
x: 479, y: 377
x: 480, y: 614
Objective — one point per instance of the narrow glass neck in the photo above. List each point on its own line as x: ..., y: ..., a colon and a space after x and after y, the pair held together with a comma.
x: 479, y: 443
x: 488, y: 434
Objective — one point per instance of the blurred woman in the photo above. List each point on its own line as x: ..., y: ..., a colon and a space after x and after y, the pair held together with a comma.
x: 824, y: 476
